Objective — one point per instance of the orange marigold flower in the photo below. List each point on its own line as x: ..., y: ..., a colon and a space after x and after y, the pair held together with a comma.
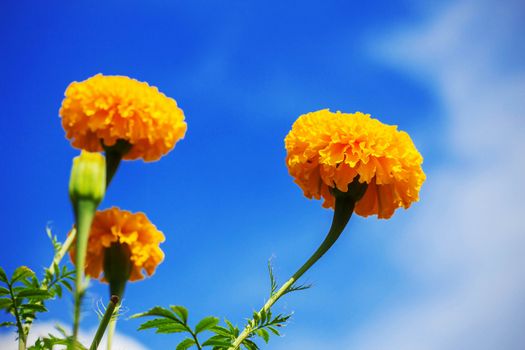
x: 132, y: 231
x: 111, y: 108
x: 328, y: 150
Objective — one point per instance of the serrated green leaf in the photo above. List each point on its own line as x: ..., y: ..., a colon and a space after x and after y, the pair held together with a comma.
x: 34, y: 294
x: 181, y: 311
x: 218, y: 340
x: 21, y: 272
x: 5, y: 303
x: 66, y: 284
x: 273, y: 330
x: 221, y: 331
x: 3, y: 276
x: 263, y: 333
x: 185, y: 344
x: 156, y: 323
x: 33, y: 308
x: 4, y: 291
x: 157, y: 311
x: 171, y: 328
x: 250, y: 344
x: 206, y: 323
x: 58, y: 290
x: 230, y: 325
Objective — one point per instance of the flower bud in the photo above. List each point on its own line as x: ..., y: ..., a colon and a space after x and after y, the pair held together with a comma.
x: 88, y: 177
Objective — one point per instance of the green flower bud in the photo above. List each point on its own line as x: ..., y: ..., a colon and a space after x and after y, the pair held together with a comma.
x: 88, y: 177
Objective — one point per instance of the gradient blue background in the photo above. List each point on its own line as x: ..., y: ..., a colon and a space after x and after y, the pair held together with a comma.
x: 243, y: 71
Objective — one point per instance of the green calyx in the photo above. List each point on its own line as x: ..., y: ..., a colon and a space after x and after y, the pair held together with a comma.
x: 114, y: 154
x: 117, y: 267
x: 356, y: 190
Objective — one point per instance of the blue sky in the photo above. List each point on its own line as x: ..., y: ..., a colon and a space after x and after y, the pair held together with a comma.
x: 446, y: 274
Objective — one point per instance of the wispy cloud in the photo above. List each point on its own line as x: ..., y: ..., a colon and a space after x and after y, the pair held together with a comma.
x: 120, y: 341
x: 465, y: 251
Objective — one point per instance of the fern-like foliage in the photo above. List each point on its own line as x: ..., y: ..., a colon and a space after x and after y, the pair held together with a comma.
x: 263, y: 324
x: 175, y: 320
x: 49, y: 342
x: 23, y: 295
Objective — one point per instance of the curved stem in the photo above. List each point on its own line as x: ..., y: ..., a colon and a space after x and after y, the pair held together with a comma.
x: 104, y: 322
x: 344, y: 207
x: 199, y: 347
x: 84, y: 212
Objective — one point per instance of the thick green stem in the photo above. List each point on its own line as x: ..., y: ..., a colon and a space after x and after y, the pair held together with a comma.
x: 84, y: 212
x: 104, y: 322
x: 344, y: 207
x: 111, y: 332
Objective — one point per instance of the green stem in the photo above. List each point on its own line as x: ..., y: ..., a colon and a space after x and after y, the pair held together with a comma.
x: 111, y: 332
x: 344, y: 207
x: 21, y: 333
x: 84, y: 212
x: 199, y: 347
x: 60, y: 254
x: 104, y: 322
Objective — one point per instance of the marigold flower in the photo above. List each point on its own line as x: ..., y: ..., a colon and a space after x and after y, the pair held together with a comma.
x: 327, y: 150
x: 115, y: 227
x: 112, y: 108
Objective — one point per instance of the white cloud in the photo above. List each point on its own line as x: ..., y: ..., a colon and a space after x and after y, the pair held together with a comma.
x: 466, y: 249
x: 120, y: 341
x: 467, y: 246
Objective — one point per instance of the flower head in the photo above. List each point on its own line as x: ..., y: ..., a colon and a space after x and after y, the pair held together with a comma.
x: 107, y: 109
x: 327, y: 150
x: 122, y: 235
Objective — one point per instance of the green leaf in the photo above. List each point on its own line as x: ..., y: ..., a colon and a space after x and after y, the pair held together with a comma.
x: 158, y: 322
x: 181, y: 311
x: 218, y: 340
x: 7, y: 324
x: 157, y: 311
x: 221, y: 331
x: 34, y: 294
x: 58, y: 290
x: 171, y: 328
x: 185, y: 344
x: 206, y: 323
x: 263, y: 333
x: 5, y: 303
x: 33, y: 307
x: 273, y: 281
x: 250, y: 345
x: 3, y: 276
x: 66, y: 284
x: 4, y: 291
x: 20, y: 273
x: 273, y: 330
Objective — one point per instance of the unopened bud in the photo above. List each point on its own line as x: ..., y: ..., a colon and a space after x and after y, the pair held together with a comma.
x: 88, y: 177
